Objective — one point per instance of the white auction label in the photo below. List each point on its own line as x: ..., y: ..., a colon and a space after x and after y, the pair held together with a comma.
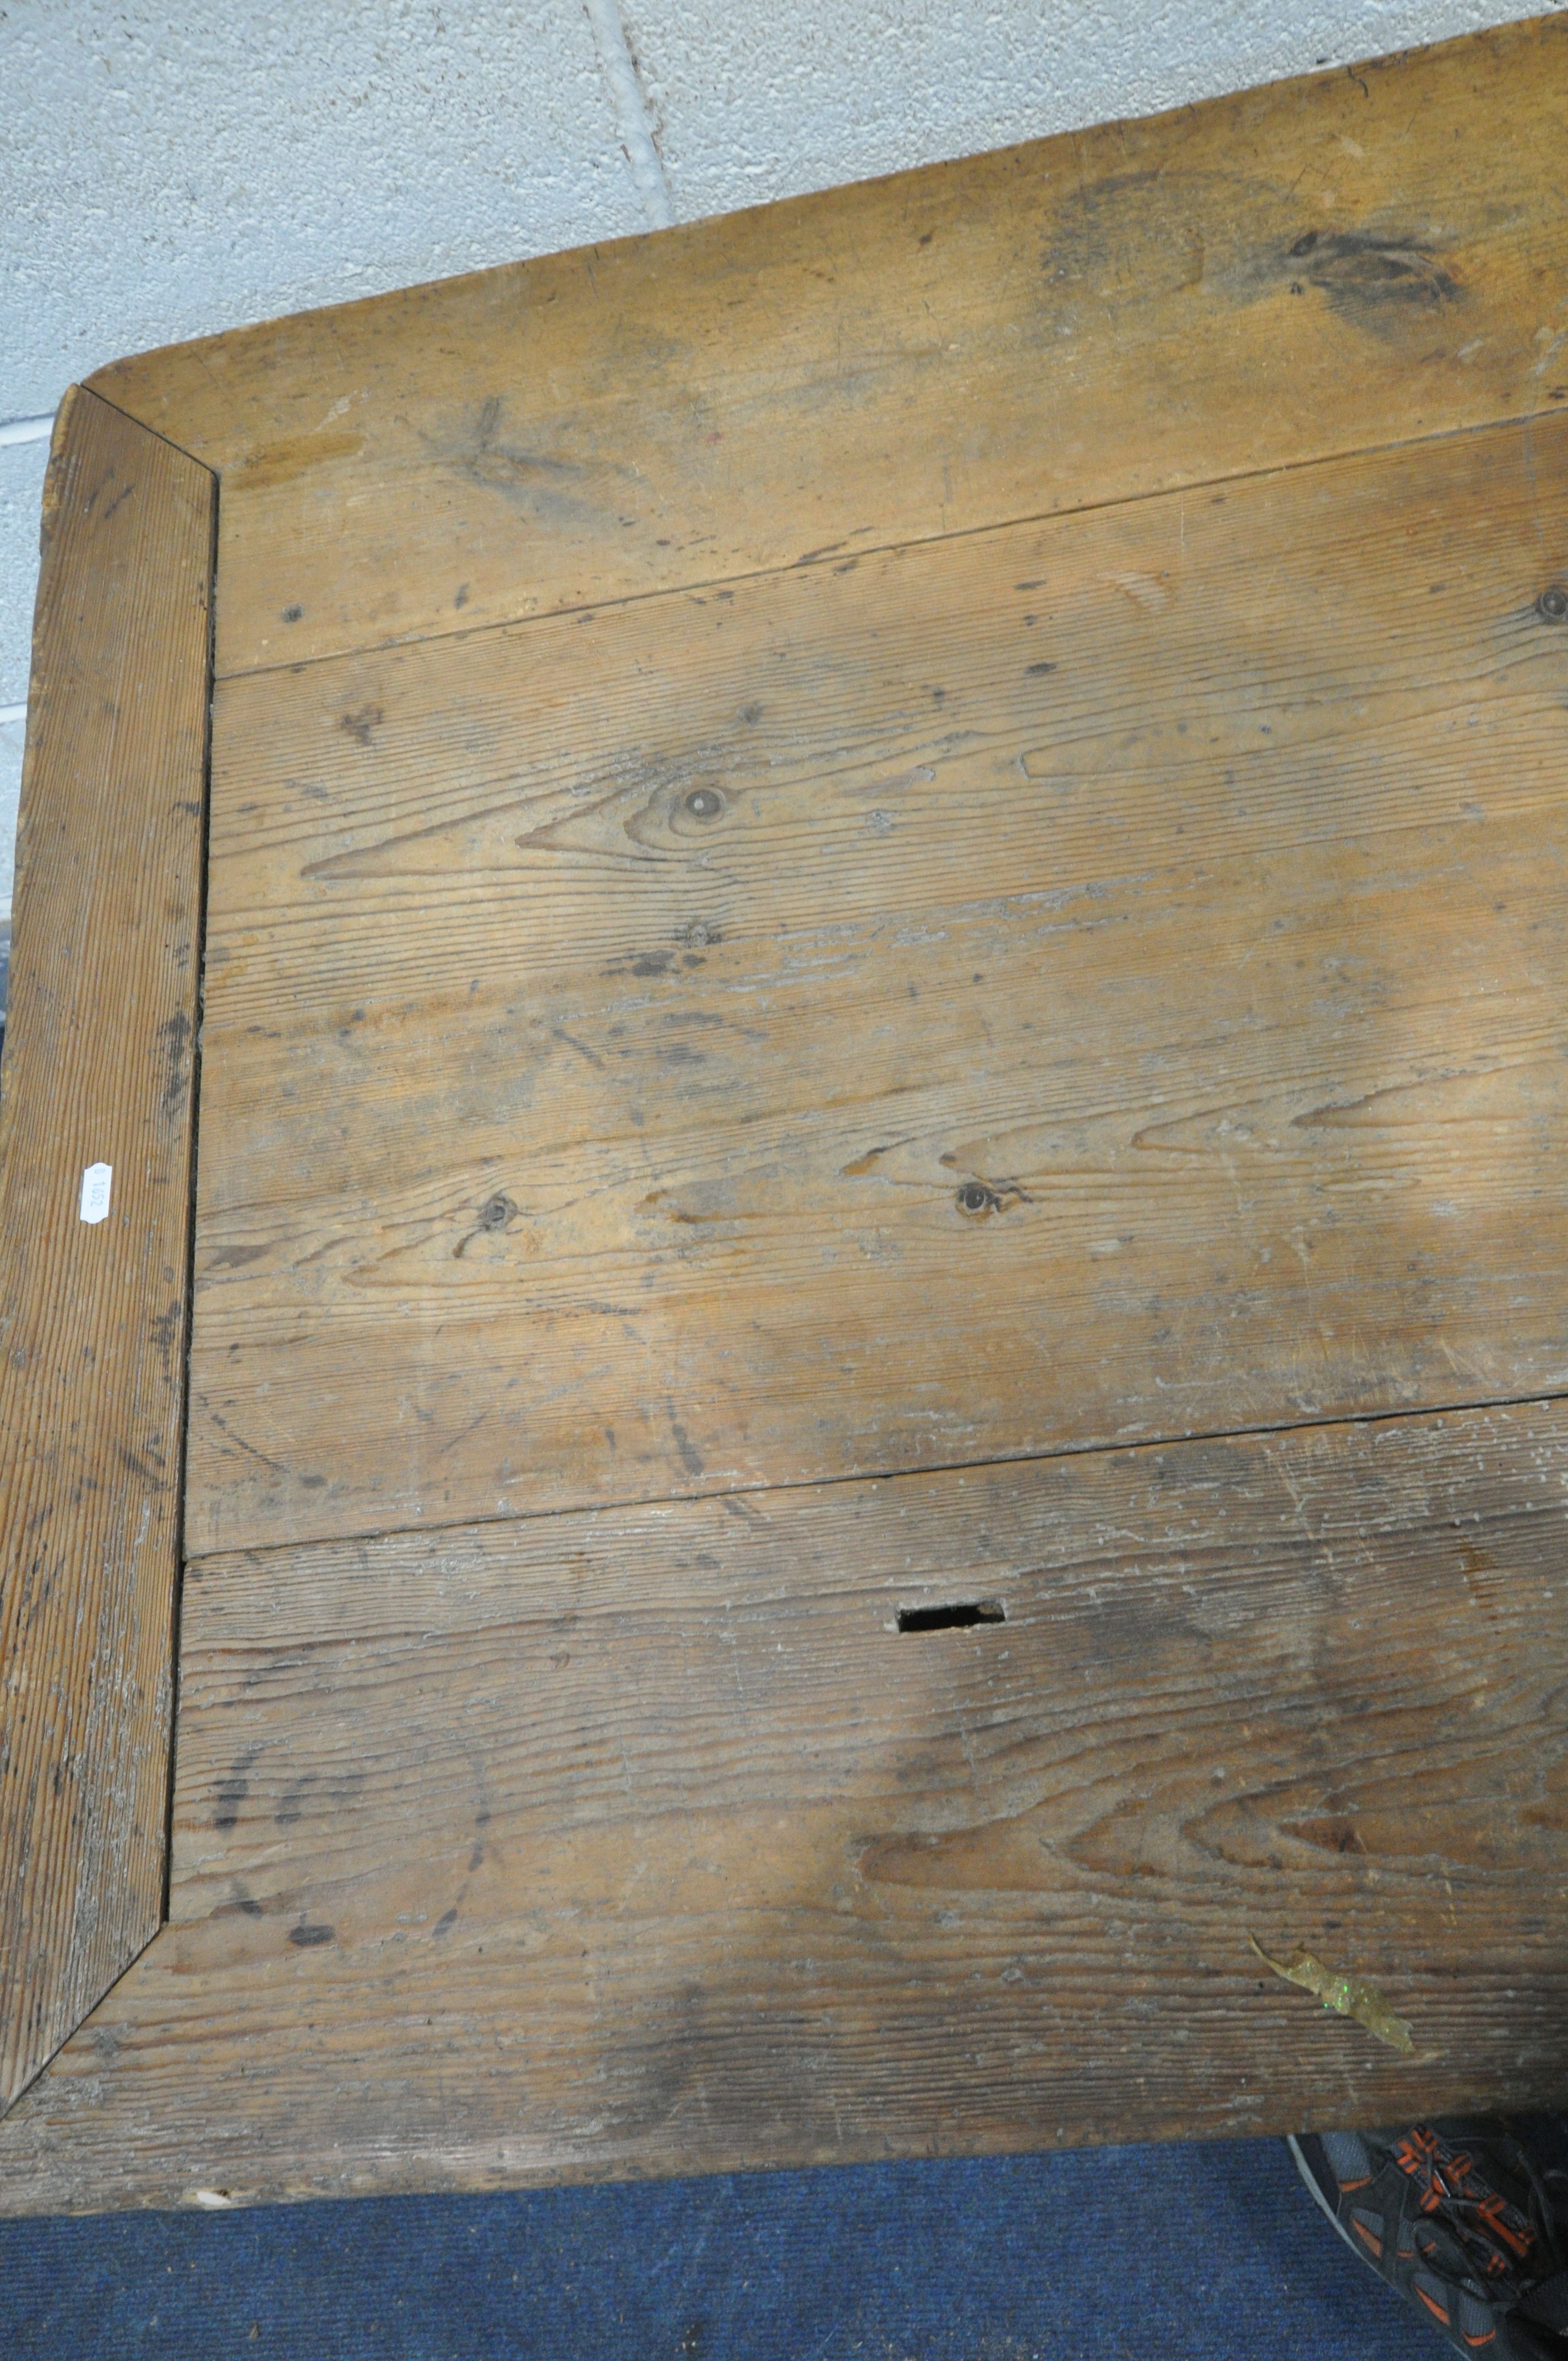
x: 95, y: 1185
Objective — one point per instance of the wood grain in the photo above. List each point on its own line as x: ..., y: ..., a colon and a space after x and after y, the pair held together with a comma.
x: 1098, y: 979
x: 828, y: 978
x: 1350, y: 258
x: 643, y: 1841
x: 98, y: 1069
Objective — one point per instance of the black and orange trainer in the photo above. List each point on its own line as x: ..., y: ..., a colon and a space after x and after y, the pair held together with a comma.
x: 1468, y: 2220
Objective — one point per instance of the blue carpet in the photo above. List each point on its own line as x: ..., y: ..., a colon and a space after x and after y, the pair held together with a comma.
x: 1193, y: 2253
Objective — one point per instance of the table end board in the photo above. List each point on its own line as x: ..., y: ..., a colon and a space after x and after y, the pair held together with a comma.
x: 712, y: 1835
x: 96, y: 1130
x: 1334, y: 262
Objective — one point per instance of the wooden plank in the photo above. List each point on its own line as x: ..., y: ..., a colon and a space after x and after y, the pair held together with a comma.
x: 92, y: 1312
x: 1083, y: 983
x: 643, y: 1841
x: 1349, y: 259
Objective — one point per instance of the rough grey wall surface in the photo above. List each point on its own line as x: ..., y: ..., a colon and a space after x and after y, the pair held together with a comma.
x: 170, y: 170
x: 178, y: 166
x: 750, y: 102
x: 21, y: 490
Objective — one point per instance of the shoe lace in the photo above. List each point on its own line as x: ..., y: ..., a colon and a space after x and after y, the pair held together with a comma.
x: 1437, y: 2194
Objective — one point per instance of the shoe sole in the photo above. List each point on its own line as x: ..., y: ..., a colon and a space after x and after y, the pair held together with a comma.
x: 1324, y: 2207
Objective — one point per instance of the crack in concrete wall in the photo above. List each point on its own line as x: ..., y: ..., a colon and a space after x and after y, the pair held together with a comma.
x: 631, y: 111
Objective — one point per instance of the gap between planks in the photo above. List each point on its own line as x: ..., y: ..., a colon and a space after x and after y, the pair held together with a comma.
x: 189, y: 1275
x: 1156, y: 1442
x: 834, y: 551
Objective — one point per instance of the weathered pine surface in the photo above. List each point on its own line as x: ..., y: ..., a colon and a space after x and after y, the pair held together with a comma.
x: 92, y: 1315
x: 747, y: 948
x: 643, y: 1841
x: 1099, y: 980
x: 1348, y: 259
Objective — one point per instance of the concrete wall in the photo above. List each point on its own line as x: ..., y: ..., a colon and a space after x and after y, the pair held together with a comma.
x: 172, y: 169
